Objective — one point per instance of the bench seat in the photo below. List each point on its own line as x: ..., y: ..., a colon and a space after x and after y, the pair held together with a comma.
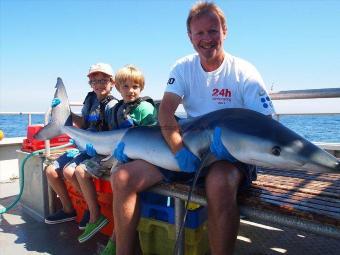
x: 306, y: 200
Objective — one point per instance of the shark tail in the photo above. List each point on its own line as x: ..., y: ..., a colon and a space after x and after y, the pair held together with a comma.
x: 60, y: 115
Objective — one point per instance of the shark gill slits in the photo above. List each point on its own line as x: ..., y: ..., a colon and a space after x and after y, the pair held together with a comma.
x: 276, y: 151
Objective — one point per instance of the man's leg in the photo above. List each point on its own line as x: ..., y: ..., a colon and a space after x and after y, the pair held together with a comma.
x: 222, y: 183
x: 127, y: 181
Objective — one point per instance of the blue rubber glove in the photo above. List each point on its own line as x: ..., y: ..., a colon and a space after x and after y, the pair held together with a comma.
x: 90, y: 150
x: 126, y: 124
x: 187, y: 161
x: 217, y: 148
x: 72, y: 153
x: 55, y: 102
x: 118, y: 153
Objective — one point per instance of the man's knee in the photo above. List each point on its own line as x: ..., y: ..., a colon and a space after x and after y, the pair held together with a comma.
x: 120, y: 179
x: 223, y: 179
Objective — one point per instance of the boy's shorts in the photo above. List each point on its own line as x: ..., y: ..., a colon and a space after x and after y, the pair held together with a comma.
x: 96, y: 167
x: 64, y: 160
x: 249, y: 171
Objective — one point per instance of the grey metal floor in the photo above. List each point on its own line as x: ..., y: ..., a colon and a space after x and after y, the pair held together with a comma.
x: 20, y: 234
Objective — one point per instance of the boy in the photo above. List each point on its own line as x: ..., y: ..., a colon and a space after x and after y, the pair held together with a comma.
x: 131, y: 111
x: 95, y: 105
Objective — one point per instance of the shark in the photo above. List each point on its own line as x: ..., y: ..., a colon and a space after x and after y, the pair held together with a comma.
x: 247, y: 136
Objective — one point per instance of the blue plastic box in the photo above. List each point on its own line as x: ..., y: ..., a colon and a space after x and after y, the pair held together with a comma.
x: 159, y: 207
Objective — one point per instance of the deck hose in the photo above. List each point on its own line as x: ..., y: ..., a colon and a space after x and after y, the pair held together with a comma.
x: 22, y: 179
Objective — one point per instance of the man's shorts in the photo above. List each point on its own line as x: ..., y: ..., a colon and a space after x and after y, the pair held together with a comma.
x: 64, y: 160
x: 96, y: 167
x: 249, y: 172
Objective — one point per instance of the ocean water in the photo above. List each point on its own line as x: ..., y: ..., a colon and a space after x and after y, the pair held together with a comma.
x: 320, y: 128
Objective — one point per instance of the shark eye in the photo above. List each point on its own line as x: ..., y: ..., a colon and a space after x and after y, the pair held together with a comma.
x: 276, y: 151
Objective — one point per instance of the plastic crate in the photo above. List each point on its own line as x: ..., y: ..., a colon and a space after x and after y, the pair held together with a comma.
x: 30, y: 144
x: 105, y: 203
x: 157, y: 237
x: 103, y: 186
x: 158, y: 207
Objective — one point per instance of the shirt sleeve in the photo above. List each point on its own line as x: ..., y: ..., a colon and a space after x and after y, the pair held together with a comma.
x: 176, y: 82
x: 255, y: 96
x: 145, y: 114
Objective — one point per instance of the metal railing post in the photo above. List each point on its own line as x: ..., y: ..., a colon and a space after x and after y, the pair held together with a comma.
x: 179, y: 213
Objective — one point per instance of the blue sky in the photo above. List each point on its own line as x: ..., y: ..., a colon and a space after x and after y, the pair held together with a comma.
x: 293, y: 44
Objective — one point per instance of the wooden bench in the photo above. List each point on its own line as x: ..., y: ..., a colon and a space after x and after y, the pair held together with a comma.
x: 307, y: 201
x: 303, y: 200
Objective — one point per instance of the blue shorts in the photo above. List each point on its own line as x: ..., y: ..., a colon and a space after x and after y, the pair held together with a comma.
x: 63, y: 161
x: 249, y: 172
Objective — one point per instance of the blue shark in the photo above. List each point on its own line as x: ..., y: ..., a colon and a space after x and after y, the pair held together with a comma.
x: 248, y: 136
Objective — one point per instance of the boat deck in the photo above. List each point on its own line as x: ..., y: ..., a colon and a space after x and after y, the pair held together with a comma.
x: 21, y: 234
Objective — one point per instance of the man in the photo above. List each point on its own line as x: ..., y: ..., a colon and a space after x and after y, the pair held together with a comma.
x: 209, y: 80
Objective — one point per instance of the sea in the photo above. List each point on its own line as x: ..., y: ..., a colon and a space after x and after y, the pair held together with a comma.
x: 316, y: 128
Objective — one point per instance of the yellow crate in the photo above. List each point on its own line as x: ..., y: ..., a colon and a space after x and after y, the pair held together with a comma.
x: 158, y: 237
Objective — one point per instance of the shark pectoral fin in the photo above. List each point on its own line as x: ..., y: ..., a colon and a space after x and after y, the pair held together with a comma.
x: 109, y: 161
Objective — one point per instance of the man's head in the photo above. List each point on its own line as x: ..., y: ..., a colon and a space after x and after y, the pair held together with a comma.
x: 201, y: 8
x: 101, y: 79
x: 129, y: 82
x: 207, y: 29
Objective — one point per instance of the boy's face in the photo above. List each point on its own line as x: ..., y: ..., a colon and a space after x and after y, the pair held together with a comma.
x: 101, y: 84
x: 130, y: 91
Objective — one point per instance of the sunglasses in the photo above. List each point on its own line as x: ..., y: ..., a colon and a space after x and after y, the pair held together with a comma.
x: 100, y: 82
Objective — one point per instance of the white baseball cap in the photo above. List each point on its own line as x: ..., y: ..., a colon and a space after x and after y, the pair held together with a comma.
x: 101, y: 68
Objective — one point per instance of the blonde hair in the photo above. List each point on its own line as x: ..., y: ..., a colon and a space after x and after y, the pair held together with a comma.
x: 129, y: 72
x: 200, y: 8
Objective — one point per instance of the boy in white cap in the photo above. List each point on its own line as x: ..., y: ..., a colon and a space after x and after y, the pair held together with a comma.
x: 94, y: 114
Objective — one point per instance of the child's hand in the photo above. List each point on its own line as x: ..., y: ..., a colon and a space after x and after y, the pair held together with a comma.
x: 90, y: 150
x: 55, y: 102
x: 127, y: 123
x: 187, y: 161
x: 72, y: 153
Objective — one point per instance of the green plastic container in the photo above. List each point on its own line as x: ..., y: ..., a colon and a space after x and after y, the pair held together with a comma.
x: 158, y: 237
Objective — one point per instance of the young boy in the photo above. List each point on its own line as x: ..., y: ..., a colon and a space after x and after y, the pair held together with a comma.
x: 131, y: 111
x: 96, y: 104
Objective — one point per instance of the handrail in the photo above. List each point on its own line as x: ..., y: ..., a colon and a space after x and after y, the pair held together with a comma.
x: 306, y: 94
x: 23, y: 113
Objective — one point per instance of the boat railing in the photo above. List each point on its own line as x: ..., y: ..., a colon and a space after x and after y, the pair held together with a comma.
x: 279, y: 95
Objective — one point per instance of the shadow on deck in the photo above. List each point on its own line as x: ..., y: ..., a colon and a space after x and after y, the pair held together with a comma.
x: 20, y: 234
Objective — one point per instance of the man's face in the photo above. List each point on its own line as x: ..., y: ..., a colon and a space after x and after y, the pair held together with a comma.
x: 207, y: 36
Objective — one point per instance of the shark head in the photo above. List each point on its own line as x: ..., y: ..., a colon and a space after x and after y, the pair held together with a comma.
x: 262, y: 141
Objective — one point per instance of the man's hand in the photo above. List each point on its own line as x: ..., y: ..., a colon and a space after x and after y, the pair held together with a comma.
x: 118, y: 153
x: 90, y: 150
x: 187, y: 161
x: 217, y: 148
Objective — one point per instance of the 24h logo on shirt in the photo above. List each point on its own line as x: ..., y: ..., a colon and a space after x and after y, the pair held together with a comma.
x: 221, y: 95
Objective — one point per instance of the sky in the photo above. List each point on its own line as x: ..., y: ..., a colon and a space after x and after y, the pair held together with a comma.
x: 294, y: 44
